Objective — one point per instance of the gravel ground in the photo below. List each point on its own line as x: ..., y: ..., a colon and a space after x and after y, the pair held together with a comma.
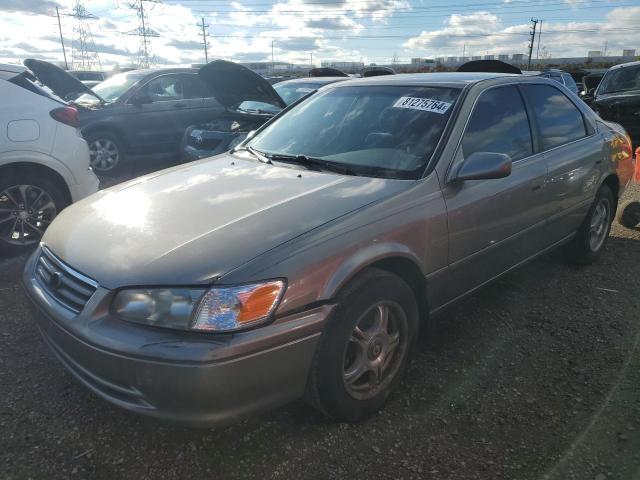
x: 535, y: 377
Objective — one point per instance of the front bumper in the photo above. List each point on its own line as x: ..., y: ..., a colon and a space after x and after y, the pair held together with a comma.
x: 193, y: 379
x: 89, y: 185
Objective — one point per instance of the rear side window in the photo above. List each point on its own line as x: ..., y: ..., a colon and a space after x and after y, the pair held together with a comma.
x: 558, y: 119
x: 499, y: 124
x: 570, y: 82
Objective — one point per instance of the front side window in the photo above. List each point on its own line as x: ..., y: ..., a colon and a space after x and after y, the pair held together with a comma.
x: 499, y: 124
x: 389, y: 131
x: 558, y: 119
x: 164, y: 88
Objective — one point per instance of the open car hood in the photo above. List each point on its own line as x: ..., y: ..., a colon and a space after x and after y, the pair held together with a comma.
x: 488, y: 66
x: 233, y: 84
x: 57, y: 80
x: 326, y: 72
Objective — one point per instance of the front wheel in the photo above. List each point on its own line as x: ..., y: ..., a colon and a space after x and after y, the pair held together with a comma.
x: 592, y: 235
x: 106, y: 153
x: 365, y: 347
x: 28, y: 204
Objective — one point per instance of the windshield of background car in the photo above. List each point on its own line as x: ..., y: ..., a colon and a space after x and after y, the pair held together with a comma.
x: 388, y: 131
x: 251, y: 106
x: 292, y: 92
x: 112, y: 88
x: 620, y: 80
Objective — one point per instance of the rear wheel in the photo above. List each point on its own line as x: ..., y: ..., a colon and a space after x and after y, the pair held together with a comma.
x: 592, y: 235
x: 106, y: 153
x: 28, y: 204
x: 365, y: 347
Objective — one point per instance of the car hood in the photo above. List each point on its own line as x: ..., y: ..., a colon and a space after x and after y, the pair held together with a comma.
x: 233, y: 84
x: 192, y: 224
x: 57, y: 80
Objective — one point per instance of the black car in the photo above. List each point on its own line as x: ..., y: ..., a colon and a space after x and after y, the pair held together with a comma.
x: 226, y: 131
x: 617, y: 98
x: 145, y: 112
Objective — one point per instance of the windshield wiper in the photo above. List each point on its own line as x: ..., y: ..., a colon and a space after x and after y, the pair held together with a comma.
x: 312, y: 163
x: 258, y: 154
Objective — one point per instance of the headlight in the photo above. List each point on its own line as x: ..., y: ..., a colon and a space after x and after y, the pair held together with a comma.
x: 219, y: 309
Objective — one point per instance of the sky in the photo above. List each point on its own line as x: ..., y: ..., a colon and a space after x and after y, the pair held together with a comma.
x: 301, y: 31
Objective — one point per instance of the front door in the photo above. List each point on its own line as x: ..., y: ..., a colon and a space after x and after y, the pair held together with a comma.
x: 491, y: 221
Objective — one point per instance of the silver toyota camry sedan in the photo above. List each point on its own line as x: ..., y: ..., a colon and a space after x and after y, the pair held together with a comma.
x: 302, y: 263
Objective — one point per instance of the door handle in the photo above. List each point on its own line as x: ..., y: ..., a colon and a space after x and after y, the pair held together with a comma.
x: 536, y: 188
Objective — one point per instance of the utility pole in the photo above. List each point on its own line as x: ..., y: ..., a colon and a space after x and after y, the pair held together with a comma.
x: 83, y: 38
x: 204, y: 39
x: 464, y: 50
x: 272, y: 64
x: 532, y: 41
x: 311, y: 60
x: 144, y: 32
x: 64, y: 53
x: 539, y: 36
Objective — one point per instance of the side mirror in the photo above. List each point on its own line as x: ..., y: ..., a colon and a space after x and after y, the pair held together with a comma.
x: 485, y: 166
x: 141, y: 99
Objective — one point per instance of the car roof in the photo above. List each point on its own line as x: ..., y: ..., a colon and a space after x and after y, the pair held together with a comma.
x: 623, y: 65
x: 459, y: 79
x: 316, y: 80
x: 11, y: 68
x: 155, y: 71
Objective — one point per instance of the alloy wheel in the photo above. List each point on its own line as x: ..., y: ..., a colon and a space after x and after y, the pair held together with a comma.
x: 103, y: 154
x: 25, y: 213
x: 375, y: 351
x: 598, y: 227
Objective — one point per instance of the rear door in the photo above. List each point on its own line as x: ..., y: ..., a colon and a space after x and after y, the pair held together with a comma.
x: 492, y: 223
x: 573, y: 152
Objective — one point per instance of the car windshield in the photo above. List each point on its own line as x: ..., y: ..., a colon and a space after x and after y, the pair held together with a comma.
x: 388, y: 131
x: 292, y: 92
x: 620, y: 80
x: 113, y: 88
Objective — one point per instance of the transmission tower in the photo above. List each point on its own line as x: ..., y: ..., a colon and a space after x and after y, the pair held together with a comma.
x: 84, y: 54
x: 144, y: 32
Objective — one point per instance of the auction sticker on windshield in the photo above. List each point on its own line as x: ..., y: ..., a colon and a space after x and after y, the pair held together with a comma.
x: 424, y: 104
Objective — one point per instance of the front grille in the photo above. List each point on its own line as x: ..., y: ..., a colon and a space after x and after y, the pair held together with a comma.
x: 69, y: 288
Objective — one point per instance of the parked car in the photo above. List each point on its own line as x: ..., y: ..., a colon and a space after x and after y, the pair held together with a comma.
x: 617, y: 98
x: 44, y: 162
x: 226, y: 132
x: 561, y: 77
x: 302, y: 263
x: 90, y: 78
x: 136, y: 113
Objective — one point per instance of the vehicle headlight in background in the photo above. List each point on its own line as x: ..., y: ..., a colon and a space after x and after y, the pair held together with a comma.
x: 218, y: 309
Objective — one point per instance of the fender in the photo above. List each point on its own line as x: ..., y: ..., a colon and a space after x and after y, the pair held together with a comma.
x: 363, y: 258
x: 33, y: 157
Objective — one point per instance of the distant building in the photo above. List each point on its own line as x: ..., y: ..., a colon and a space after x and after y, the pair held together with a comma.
x: 476, y: 57
x: 489, y: 57
x: 517, y: 57
x: 422, y: 61
x: 452, y: 59
x: 347, y: 67
x: 439, y: 59
x: 629, y: 52
x: 594, y: 53
x: 503, y: 57
x: 463, y: 59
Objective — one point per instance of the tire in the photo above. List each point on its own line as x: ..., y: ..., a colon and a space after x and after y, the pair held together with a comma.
x: 17, y: 215
x: 106, y: 152
x: 629, y: 214
x: 592, y: 236
x: 337, y: 386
